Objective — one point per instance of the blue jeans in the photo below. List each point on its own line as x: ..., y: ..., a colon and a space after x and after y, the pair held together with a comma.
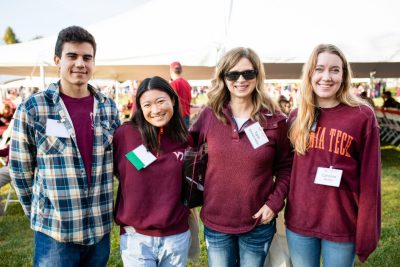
x: 247, y: 249
x: 305, y: 251
x: 150, y: 251
x: 51, y: 253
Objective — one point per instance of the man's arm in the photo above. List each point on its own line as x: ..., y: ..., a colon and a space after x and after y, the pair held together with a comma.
x: 23, y: 157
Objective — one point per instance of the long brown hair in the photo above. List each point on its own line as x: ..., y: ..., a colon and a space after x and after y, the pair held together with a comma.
x: 300, y: 129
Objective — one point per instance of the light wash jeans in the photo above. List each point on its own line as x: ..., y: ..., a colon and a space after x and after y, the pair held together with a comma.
x: 248, y: 249
x: 149, y: 251
x: 305, y: 251
x: 51, y: 253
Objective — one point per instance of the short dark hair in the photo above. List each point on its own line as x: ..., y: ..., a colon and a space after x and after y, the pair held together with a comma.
x: 74, y: 34
x: 175, y: 128
x: 387, y: 93
x: 283, y: 100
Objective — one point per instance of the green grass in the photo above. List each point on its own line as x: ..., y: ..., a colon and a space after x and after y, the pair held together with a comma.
x: 16, y: 238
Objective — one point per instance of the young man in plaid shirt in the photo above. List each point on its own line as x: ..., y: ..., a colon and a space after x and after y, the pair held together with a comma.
x: 61, y: 160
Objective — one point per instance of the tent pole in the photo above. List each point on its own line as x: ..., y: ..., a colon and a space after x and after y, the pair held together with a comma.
x: 116, y: 97
x: 43, y: 78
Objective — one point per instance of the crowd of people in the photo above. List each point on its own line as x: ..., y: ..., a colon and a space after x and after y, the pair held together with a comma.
x: 318, y: 163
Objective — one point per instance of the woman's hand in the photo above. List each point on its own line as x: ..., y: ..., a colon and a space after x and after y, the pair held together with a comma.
x: 266, y: 214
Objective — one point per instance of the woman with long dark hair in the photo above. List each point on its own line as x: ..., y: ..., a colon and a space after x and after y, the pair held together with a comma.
x: 148, y: 155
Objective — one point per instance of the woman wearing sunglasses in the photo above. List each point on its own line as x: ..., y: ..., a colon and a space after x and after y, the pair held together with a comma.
x: 333, y: 209
x: 247, y: 148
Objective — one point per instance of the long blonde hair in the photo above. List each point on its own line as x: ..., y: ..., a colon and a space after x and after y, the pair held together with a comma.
x: 300, y: 128
x: 219, y: 93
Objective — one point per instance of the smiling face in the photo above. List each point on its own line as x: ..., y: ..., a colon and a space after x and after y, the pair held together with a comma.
x: 241, y: 88
x: 327, y: 79
x: 157, y: 107
x: 76, y: 64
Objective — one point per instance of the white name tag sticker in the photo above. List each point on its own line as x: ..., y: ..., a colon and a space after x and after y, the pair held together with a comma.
x: 140, y: 157
x: 256, y: 135
x: 56, y: 128
x: 328, y: 176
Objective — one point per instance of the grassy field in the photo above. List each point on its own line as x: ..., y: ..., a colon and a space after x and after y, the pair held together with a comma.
x: 16, y: 245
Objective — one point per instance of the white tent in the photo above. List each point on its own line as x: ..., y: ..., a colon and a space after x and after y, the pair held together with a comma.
x: 143, y: 41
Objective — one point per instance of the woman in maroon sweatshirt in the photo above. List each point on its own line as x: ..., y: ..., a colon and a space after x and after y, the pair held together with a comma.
x: 248, y: 146
x: 334, y: 202
x: 148, y: 155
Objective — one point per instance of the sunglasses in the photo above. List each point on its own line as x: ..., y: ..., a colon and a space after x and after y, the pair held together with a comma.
x: 247, y: 75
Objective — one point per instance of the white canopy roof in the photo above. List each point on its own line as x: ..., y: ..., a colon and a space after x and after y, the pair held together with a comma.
x: 143, y: 41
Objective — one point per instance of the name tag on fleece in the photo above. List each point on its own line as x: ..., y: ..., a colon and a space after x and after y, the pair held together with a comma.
x: 256, y: 135
x: 140, y: 157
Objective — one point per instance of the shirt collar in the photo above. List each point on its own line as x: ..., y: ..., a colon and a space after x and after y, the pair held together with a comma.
x: 53, y: 93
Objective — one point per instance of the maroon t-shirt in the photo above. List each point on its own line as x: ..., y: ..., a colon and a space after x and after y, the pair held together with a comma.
x: 81, y: 112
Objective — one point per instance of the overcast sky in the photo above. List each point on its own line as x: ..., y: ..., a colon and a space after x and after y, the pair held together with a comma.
x: 31, y: 18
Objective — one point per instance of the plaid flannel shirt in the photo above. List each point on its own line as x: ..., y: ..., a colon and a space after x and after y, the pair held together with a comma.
x: 48, y: 171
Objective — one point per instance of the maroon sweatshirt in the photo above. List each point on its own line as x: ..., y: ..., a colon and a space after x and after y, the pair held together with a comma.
x: 347, y: 138
x: 149, y: 199
x: 239, y: 178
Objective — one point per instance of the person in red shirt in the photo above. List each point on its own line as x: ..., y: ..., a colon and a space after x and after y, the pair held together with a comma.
x: 249, y: 162
x: 334, y: 203
x: 183, y: 89
x: 153, y: 220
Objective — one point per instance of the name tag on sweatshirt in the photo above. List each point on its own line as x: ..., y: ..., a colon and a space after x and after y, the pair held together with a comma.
x: 256, y: 135
x: 140, y: 157
x: 328, y: 176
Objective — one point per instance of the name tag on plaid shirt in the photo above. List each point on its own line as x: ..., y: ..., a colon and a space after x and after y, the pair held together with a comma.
x: 56, y: 128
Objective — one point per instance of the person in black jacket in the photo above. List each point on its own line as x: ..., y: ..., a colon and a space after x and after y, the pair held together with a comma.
x: 389, y: 101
